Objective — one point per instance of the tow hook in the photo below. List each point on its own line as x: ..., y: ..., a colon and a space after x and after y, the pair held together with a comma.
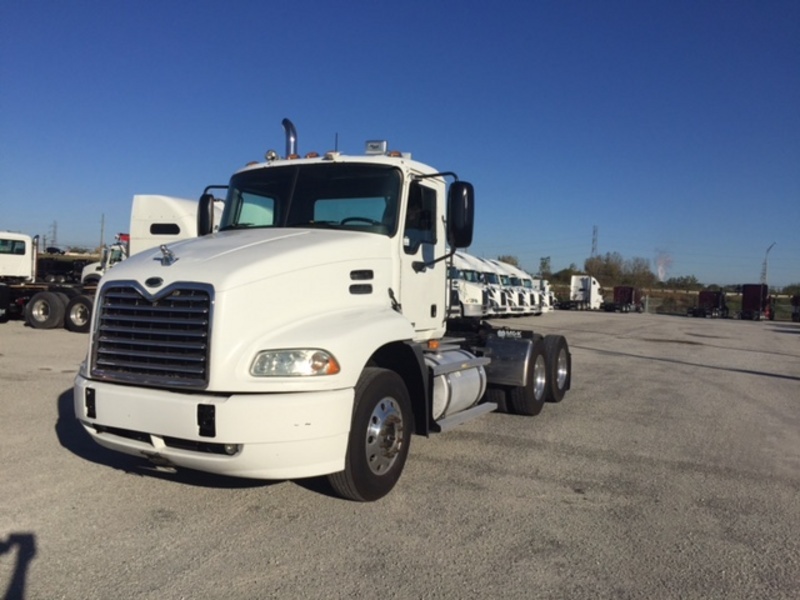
x: 159, y: 461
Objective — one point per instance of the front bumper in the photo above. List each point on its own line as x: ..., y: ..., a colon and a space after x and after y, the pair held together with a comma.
x: 279, y: 436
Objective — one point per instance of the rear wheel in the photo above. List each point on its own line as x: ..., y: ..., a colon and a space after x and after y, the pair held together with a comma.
x: 45, y: 311
x: 380, y: 435
x: 529, y: 399
x: 78, y: 315
x: 499, y: 396
x: 559, y: 367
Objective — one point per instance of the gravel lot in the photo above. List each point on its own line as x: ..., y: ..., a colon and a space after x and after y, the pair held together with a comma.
x: 670, y: 470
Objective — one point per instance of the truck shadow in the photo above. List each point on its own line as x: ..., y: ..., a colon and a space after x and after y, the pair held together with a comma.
x: 72, y: 437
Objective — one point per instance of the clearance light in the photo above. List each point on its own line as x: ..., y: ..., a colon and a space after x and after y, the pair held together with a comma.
x: 300, y: 362
x: 312, y: 155
x: 433, y: 344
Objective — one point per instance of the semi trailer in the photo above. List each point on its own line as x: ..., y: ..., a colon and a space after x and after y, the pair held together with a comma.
x: 220, y: 354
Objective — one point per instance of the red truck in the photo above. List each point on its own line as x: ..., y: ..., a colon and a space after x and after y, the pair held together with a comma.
x: 709, y: 304
x: 756, y: 302
x: 626, y: 299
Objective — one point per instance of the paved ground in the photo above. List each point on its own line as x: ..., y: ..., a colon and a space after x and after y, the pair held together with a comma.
x: 671, y: 470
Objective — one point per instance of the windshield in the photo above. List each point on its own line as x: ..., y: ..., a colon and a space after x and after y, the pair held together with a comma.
x: 471, y: 276
x: 490, y: 277
x: 337, y: 195
x: 515, y: 281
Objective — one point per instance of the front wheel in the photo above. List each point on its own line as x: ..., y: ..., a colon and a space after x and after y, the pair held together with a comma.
x: 380, y: 434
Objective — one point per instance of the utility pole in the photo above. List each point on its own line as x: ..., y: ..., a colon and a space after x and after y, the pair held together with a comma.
x: 764, y: 266
x: 594, y: 241
x: 102, y: 229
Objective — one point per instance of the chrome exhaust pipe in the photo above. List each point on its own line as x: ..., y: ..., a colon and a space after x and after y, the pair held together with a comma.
x: 291, y: 137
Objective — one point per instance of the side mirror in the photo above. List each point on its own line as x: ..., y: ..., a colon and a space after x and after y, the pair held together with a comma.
x: 460, y: 214
x: 205, y: 215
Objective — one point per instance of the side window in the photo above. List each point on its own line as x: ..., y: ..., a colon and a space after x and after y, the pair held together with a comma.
x: 420, y: 225
x: 12, y: 247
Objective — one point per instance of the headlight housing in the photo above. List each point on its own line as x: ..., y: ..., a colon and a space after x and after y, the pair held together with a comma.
x: 295, y: 362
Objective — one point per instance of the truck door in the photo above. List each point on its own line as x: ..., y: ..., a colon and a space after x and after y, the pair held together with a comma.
x: 423, y: 292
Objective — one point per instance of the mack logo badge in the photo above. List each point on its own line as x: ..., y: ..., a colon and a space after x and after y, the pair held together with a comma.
x: 509, y: 333
x: 153, y: 282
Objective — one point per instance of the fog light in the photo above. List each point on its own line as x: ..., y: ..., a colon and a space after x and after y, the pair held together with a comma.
x: 231, y: 449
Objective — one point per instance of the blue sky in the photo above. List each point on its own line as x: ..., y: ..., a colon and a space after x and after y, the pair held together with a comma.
x: 671, y: 126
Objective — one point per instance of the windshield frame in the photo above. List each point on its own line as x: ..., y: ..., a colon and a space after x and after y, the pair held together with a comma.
x: 353, y: 196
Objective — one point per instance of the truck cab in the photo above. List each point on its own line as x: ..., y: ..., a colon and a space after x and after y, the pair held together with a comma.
x: 305, y: 333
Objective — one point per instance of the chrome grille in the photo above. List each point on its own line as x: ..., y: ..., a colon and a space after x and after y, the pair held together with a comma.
x: 162, y: 340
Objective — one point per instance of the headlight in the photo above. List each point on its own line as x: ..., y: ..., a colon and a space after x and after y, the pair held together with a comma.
x: 294, y: 363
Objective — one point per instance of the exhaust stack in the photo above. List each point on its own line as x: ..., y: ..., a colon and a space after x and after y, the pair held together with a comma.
x: 291, y: 137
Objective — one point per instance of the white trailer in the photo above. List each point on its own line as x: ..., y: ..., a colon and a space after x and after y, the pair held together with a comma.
x: 220, y: 353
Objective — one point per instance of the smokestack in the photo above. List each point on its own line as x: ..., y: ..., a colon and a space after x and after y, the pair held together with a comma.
x: 291, y: 137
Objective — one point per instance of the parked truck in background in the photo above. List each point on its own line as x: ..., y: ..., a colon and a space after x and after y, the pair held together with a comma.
x: 220, y: 353
x: 499, y: 303
x: 756, y: 302
x: 626, y: 298
x: 47, y: 304
x: 585, y: 293
x: 796, y: 308
x: 470, y: 297
x: 110, y: 255
x: 529, y: 296
x: 546, y: 294
x: 518, y: 301
x: 710, y: 303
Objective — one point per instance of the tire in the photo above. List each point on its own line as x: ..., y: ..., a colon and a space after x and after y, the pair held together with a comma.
x: 78, y: 314
x: 45, y: 311
x: 529, y: 399
x: 559, y: 367
x: 380, y: 434
x: 499, y: 396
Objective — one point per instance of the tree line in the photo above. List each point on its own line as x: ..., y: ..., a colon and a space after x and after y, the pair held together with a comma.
x: 613, y: 269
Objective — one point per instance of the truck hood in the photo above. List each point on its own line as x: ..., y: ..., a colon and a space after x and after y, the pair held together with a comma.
x: 238, y: 258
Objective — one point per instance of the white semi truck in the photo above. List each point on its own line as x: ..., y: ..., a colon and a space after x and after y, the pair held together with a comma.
x: 221, y: 354
x: 499, y: 301
x: 470, y: 294
x: 585, y: 294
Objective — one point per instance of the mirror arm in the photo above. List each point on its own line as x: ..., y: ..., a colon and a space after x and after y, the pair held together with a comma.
x: 420, y: 267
